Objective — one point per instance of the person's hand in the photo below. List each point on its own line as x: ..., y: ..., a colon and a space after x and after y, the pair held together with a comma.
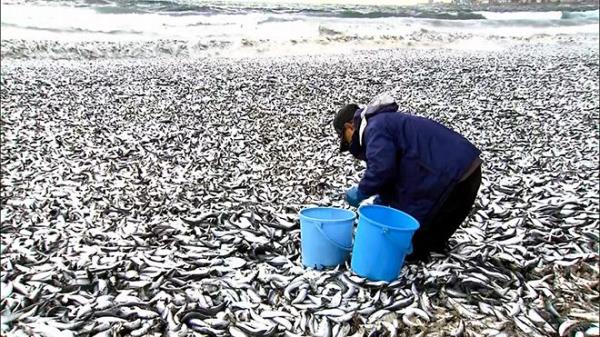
x: 354, y: 196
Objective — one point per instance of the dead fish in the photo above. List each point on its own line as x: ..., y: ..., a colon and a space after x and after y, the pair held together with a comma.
x: 142, y: 199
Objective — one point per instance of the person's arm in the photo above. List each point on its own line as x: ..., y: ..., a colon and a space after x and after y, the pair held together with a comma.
x: 381, y: 156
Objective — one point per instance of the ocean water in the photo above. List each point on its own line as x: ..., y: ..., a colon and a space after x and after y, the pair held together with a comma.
x: 148, y: 28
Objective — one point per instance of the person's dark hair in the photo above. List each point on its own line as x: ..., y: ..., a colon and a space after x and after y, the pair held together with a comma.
x: 343, y: 116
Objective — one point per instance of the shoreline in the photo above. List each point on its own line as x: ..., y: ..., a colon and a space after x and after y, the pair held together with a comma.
x: 179, y: 49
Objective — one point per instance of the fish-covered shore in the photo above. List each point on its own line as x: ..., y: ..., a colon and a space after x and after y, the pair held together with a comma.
x: 159, y: 197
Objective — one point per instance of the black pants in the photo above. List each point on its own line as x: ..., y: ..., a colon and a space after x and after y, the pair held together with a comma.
x: 433, y: 235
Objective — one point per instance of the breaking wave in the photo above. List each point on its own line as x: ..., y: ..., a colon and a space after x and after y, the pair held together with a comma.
x: 147, y: 28
x: 583, y: 15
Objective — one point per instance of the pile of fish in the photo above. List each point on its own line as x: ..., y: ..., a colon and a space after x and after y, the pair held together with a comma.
x: 160, y: 198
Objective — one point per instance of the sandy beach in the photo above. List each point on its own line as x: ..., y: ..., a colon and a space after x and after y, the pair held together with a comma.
x: 159, y: 196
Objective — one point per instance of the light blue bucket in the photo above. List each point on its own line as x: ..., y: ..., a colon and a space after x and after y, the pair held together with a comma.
x: 383, y: 239
x: 326, y: 236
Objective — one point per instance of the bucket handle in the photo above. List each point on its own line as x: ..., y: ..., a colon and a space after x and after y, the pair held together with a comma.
x: 409, y: 251
x: 330, y: 240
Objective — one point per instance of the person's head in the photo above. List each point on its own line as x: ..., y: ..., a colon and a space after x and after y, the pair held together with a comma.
x: 343, y: 125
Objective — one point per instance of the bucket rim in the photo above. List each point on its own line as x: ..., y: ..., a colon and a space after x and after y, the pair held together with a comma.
x: 302, y: 211
x: 418, y: 225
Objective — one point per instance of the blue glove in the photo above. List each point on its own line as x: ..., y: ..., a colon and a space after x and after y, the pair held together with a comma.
x: 354, y: 196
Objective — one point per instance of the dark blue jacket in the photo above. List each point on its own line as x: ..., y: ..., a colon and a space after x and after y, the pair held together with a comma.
x: 412, y: 162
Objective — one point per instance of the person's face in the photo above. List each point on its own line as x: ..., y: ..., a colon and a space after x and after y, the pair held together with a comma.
x: 348, y: 131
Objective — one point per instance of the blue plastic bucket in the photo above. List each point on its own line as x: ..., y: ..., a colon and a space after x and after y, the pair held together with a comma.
x: 383, y: 238
x: 326, y: 236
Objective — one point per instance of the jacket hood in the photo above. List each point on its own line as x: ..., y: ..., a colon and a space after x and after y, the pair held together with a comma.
x: 381, y: 103
x: 370, y: 111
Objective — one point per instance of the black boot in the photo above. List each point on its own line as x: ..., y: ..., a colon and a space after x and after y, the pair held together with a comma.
x: 418, y: 256
x: 443, y: 248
